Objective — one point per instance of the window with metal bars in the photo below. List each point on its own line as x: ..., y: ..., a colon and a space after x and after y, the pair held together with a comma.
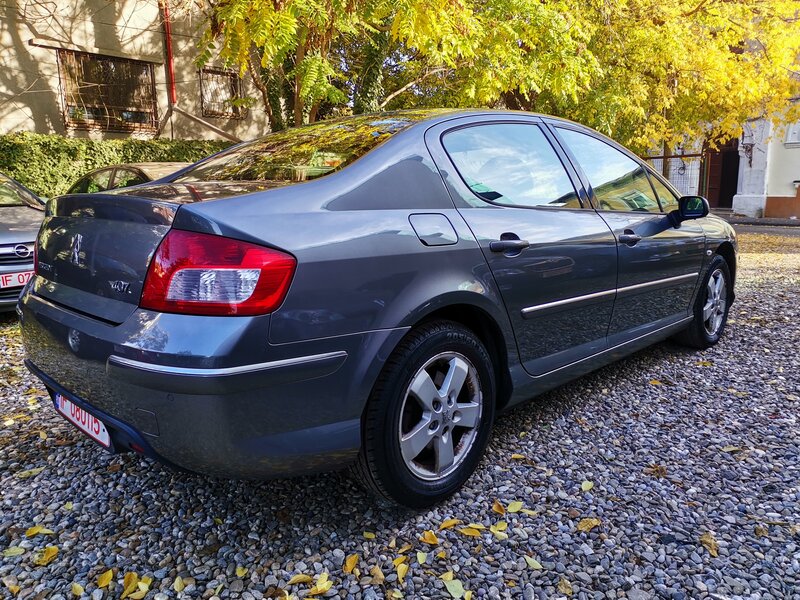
x: 107, y: 93
x: 219, y: 92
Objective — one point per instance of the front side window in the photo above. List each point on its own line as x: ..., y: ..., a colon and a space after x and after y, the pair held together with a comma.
x: 669, y: 201
x: 107, y: 93
x: 511, y: 164
x: 221, y: 94
x: 619, y: 182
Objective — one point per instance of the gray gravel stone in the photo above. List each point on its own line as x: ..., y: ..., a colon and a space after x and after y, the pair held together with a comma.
x: 714, y: 449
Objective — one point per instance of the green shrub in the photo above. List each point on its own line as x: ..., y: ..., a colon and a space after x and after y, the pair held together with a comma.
x: 49, y: 164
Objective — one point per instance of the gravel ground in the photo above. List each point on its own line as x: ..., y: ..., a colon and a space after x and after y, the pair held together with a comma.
x: 692, y: 460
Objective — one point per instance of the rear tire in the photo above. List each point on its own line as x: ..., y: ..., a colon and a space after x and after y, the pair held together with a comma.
x: 710, y: 308
x: 429, y: 416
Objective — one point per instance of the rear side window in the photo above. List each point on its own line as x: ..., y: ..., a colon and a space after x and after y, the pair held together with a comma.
x: 303, y: 153
x: 512, y: 164
x: 127, y: 177
x: 91, y: 184
x: 619, y: 183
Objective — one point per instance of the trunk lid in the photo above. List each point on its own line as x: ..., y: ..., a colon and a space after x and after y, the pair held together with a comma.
x: 93, y: 251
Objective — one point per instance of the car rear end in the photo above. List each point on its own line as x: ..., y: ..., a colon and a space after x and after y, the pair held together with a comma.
x: 155, y: 339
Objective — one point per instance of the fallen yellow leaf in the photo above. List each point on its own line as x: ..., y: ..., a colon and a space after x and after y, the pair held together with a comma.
x: 709, y: 541
x: 514, y: 506
x: 350, y: 563
x: 42, y: 435
x: 468, y: 595
x: 533, y: 563
x: 476, y: 526
x: 14, y: 589
x: 68, y: 505
x: 422, y: 557
x: 429, y: 537
x: 586, y: 525
x: 300, y: 578
x: 241, y: 571
x: 76, y: 589
x: 402, y: 569
x: 322, y: 585
x: 518, y: 456
x: 498, y: 508
x: 529, y: 512
x: 469, y: 531
x: 36, y: 530
x: 104, y: 579
x: 404, y: 549
x: 369, y: 535
x: 587, y: 486
x: 565, y: 587
x: 399, y: 560
x: 761, y: 531
x: 13, y: 551
x: 447, y: 576
x: 46, y: 556
x: 653, y: 382
x: 441, y: 554
x: 30, y: 473
x: 177, y: 585
x: 449, y: 523
x: 377, y: 575
x: 455, y: 588
x: 129, y: 584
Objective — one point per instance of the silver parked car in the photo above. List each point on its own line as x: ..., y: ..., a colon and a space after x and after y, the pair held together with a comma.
x: 21, y: 213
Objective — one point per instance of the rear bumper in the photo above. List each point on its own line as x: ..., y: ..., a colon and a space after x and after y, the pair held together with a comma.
x: 206, y: 394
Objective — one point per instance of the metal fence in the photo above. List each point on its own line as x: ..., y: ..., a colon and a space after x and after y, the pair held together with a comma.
x: 684, y: 171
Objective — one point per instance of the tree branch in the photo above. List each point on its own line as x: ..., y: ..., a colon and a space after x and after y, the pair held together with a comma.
x: 409, y: 85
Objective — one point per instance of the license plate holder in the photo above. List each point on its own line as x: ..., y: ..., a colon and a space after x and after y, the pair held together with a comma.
x: 85, y: 421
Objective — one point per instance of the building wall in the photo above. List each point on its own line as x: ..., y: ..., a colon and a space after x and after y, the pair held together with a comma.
x: 30, y: 93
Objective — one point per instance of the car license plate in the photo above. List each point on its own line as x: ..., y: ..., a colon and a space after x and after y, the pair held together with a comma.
x: 11, y: 280
x: 86, y: 422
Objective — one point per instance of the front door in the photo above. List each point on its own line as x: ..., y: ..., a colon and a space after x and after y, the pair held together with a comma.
x: 553, y: 258
x: 658, y: 264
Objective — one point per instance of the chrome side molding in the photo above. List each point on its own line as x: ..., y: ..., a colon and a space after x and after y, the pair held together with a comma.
x: 594, y: 296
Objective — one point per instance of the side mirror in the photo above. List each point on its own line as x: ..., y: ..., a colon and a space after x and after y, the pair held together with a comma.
x: 689, y: 207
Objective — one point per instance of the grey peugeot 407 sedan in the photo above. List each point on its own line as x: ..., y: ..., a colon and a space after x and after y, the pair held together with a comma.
x: 368, y: 291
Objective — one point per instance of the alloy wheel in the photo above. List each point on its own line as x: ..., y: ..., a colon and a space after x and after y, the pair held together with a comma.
x: 440, y: 416
x: 716, y: 302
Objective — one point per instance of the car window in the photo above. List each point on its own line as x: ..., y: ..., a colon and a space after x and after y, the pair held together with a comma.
x: 12, y: 194
x: 669, y: 201
x: 303, y: 153
x: 512, y: 164
x: 619, y: 182
x: 127, y: 177
x: 94, y: 182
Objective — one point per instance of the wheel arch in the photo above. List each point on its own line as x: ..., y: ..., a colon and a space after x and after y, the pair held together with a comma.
x: 727, y: 251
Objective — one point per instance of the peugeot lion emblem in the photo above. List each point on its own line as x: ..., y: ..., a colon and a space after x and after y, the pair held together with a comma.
x: 76, y: 249
x: 22, y: 251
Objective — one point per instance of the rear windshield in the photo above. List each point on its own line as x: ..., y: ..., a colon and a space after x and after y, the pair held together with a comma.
x: 303, y: 153
x: 13, y: 194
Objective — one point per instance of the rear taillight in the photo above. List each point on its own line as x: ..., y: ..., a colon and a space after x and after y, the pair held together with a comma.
x: 201, y: 274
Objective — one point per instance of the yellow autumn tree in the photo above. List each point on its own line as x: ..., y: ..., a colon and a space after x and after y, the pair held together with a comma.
x: 646, y: 72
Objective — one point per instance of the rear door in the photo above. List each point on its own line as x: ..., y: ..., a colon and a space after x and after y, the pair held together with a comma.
x: 659, y: 265
x: 553, y: 258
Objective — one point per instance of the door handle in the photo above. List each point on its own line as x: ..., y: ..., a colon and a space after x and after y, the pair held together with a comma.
x: 629, y: 238
x: 508, y: 245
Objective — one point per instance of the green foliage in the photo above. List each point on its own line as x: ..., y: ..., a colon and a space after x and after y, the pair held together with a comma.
x: 646, y: 72
x: 49, y: 164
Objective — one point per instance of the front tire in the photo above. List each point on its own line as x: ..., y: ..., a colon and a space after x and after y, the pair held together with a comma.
x: 711, y: 307
x: 429, y: 416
